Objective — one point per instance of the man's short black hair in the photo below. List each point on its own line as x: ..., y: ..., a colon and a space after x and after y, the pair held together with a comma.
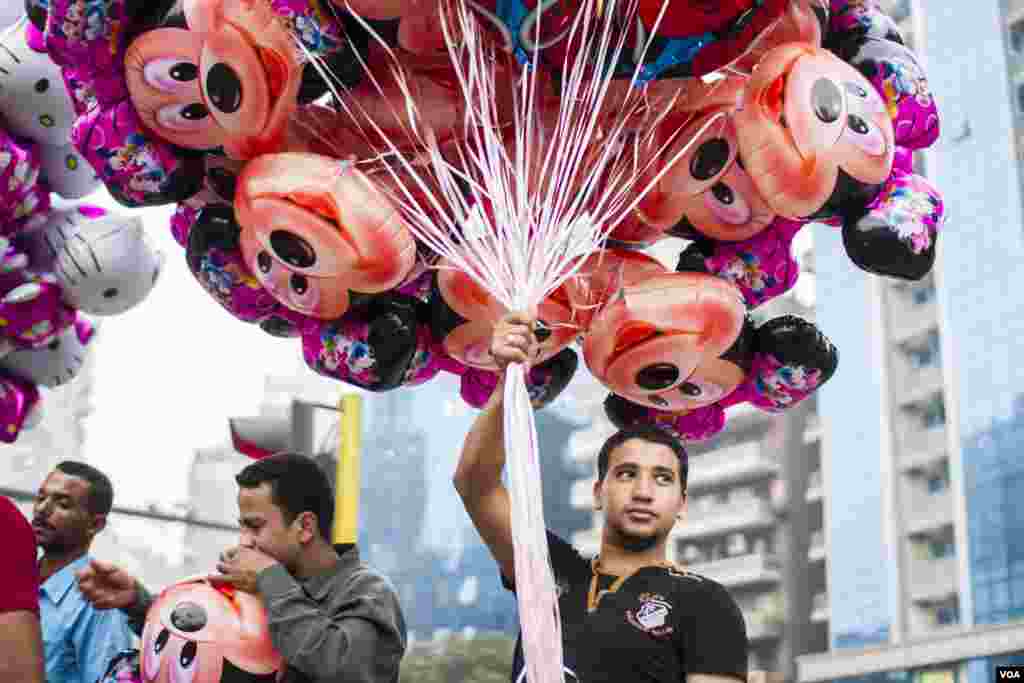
x: 297, y: 485
x: 649, y: 434
x: 101, y: 492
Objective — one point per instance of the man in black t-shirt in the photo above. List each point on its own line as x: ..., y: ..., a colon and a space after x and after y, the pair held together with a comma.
x: 628, y: 616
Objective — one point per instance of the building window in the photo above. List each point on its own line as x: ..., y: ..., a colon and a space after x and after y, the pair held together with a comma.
x: 900, y: 10
x: 947, y: 615
x: 938, y: 550
x: 1017, y: 36
x: 922, y: 295
x: 934, y: 413
x: 925, y: 354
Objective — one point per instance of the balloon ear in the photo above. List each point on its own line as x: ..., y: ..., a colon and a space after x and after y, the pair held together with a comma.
x: 546, y: 381
x: 18, y: 400
x: 215, y: 227
x: 793, y: 360
x: 692, y: 259
x: 762, y: 267
x: 899, y: 79
x: 897, y: 236
x: 393, y: 338
x: 696, y: 425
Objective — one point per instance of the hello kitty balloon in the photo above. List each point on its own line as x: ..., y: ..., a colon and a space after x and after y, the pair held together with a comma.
x: 103, y: 261
x: 36, y: 108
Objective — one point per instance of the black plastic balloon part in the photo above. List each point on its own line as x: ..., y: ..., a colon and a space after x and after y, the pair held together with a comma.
x: 215, y: 227
x: 549, y: 379
x: 795, y: 341
x: 875, y: 246
x: 392, y: 338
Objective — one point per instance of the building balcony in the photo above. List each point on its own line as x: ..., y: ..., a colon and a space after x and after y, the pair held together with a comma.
x: 920, y: 445
x: 760, y: 629
x: 581, y: 494
x: 927, y: 513
x: 916, y: 384
x: 816, y: 549
x: 740, y: 570
x: 813, y: 430
x: 718, y: 520
x: 819, y: 608
x: 933, y: 581
x: 815, y: 487
x: 732, y: 465
x: 585, y: 444
x: 908, y: 319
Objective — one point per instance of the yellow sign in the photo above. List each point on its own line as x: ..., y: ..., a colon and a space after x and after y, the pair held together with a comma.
x: 346, y: 490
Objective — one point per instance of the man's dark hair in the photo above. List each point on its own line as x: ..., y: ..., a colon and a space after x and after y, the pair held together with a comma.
x: 101, y: 492
x: 297, y: 485
x: 644, y: 433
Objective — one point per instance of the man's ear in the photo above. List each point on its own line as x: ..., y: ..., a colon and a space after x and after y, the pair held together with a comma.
x: 99, y: 523
x: 309, y: 526
x: 597, y: 494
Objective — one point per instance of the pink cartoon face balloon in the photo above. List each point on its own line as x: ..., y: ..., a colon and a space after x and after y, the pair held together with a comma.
x: 707, y: 188
x: 646, y: 343
x: 812, y: 126
x: 314, y: 228
x: 229, y: 80
x: 203, y: 631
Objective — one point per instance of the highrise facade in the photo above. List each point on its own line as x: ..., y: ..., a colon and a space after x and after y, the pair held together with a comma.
x: 922, y: 424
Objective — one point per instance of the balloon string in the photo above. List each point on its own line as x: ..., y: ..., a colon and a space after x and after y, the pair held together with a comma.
x: 536, y: 596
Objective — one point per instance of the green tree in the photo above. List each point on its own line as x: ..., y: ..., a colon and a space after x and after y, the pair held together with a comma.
x: 486, y: 658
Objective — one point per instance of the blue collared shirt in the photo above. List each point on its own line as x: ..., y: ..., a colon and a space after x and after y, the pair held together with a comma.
x: 78, y: 639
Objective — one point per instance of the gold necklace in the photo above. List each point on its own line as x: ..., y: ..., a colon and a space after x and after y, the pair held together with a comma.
x: 594, y: 596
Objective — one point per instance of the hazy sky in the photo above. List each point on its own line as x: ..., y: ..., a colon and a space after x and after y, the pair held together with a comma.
x: 169, y: 372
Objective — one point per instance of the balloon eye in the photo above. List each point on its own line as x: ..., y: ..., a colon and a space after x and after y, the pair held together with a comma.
x: 657, y: 376
x: 184, y: 72
x: 54, y: 345
x: 710, y: 159
x: 657, y: 400
x: 292, y: 249
x: 224, y: 88
x: 690, y: 390
x: 188, y: 654
x: 182, y: 117
x: 826, y: 100
x: 161, y: 641
x: 723, y: 193
x: 857, y: 124
x: 170, y: 74
x: 110, y: 293
x: 299, y: 284
x: 42, y: 85
x: 263, y: 262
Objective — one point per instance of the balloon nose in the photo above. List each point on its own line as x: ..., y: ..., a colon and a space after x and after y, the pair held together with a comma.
x: 657, y: 376
x: 188, y: 617
x: 826, y: 100
x: 224, y: 88
x: 292, y: 249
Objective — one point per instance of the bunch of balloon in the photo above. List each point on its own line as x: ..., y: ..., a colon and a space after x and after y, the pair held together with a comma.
x: 57, y: 266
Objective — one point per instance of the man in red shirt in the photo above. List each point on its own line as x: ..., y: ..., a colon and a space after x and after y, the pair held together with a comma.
x: 21, y: 644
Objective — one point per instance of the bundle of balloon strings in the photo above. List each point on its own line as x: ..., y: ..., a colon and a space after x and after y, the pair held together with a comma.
x: 519, y: 204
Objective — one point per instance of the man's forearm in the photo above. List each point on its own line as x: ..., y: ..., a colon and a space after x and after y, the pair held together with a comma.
x: 136, y: 613
x: 483, y: 452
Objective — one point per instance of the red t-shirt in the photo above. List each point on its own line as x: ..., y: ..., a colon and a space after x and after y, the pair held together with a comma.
x: 19, y: 572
